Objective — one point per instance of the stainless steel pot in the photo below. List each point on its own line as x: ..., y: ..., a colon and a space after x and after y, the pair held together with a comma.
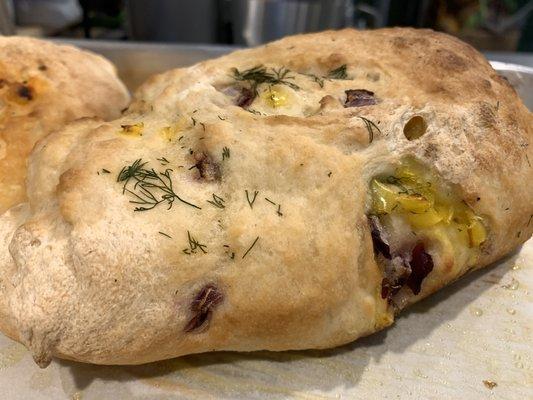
x: 259, y: 21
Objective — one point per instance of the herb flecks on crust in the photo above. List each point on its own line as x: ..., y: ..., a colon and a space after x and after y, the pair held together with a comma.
x: 194, y: 245
x: 371, y: 127
x: 149, y: 188
x: 258, y: 75
x: 338, y: 73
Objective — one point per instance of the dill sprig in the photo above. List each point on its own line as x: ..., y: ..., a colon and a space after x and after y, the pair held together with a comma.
x: 217, y: 201
x: 370, y: 126
x: 278, y: 211
x: 163, y: 161
x: 165, y: 234
x: 194, y: 245
x: 252, y: 201
x: 338, y: 73
x: 259, y: 74
x: 148, y: 187
x: 251, y: 247
x: 317, y: 79
x: 225, y: 153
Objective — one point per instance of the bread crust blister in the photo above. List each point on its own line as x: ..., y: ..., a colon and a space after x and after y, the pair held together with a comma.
x: 228, y: 208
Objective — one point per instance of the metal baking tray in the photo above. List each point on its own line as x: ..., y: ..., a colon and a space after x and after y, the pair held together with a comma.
x: 471, y: 340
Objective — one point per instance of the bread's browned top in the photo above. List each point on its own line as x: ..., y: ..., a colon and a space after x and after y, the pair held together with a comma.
x: 43, y: 86
x: 285, y: 259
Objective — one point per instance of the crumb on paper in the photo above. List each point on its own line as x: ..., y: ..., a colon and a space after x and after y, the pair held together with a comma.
x: 490, y: 384
x: 513, y: 285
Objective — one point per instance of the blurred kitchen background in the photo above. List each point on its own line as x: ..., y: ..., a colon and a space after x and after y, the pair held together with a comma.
x: 493, y: 25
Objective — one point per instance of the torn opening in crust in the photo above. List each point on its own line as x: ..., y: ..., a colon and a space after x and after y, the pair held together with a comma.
x: 412, y: 215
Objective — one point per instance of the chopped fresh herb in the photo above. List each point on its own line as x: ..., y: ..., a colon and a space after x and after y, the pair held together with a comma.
x: 370, y: 126
x: 148, y: 187
x: 163, y: 161
x: 319, y: 80
x: 258, y: 75
x: 251, y: 110
x: 251, y: 202
x: 228, y: 251
x: 527, y: 158
x: 225, y: 153
x: 275, y: 204
x: 165, y: 234
x: 194, y: 245
x: 179, y: 139
x: 193, y: 121
x: 338, y: 73
x: 329, y: 174
x: 251, y: 247
x: 217, y: 201
x: 203, y: 126
x: 222, y: 118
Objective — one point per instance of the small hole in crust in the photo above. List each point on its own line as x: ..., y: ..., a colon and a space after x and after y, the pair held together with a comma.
x: 415, y: 128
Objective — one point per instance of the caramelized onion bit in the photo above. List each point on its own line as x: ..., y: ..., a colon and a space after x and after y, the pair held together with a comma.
x: 208, y: 169
x: 378, y: 239
x: 359, y: 98
x: 246, y: 98
x: 421, y: 265
x: 202, y: 307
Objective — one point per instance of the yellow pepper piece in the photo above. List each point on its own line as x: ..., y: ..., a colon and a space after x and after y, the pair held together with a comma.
x: 275, y: 97
x: 135, y: 130
x: 384, y: 197
x: 405, y: 172
x: 415, y: 203
x: 476, y: 233
x: 425, y: 220
x: 445, y: 212
x: 168, y: 133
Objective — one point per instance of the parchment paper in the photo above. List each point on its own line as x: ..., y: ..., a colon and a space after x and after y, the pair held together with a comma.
x: 478, y: 329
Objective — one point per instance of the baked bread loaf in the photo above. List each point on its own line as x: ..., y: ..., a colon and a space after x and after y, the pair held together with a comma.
x: 292, y: 196
x: 44, y: 85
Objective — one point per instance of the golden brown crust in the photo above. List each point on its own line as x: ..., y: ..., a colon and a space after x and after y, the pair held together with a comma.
x: 43, y: 86
x: 291, y: 267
